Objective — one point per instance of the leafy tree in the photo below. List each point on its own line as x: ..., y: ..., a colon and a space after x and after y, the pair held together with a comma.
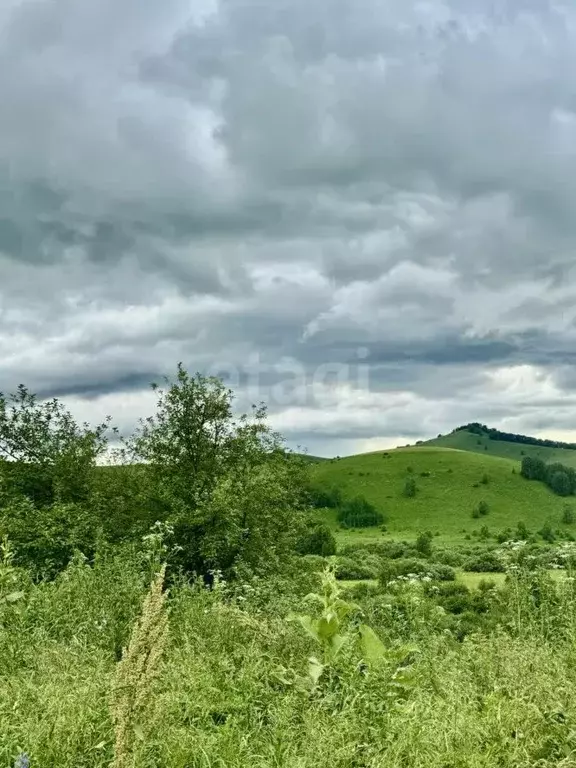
x: 318, y: 540
x: 522, y: 531
x: 484, y: 533
x: 410, y: 488
x: 424, y: 543
x: 359, y: 513
x: 44, y: 454
x: 231, y: 491
x: 560, y: 483
x: 323, y: 498
x: 568, y: 516
x: 46, y: 538
x: 483, y: 508
x: 547, y: 533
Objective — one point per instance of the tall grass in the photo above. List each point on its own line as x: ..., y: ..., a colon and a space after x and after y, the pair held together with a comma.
x: 227, y: 692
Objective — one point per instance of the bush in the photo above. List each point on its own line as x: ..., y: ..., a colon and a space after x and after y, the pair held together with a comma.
x: 568, y: 516
x: 359, y: 513
x: 533, y: 468
x: 348, y: 569
x: 424, y: 543
x: 483, y: 508
x: 485, y: 479
x: 547, y: 533
x: 392, y: 569
x: 522, y: 531
x: 322, y: 498
x: 560, y: 483
x: 410, y: 488
x: 484, y: 533
x: 317, y: 541
x: 488, y: 562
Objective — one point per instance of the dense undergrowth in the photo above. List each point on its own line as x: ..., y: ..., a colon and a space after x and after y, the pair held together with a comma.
x: 235, y: 686
x: 188, y: 609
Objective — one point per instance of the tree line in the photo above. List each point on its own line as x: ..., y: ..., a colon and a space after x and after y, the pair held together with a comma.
x: 558, y: 477
x: 223, y: 489
x: 510, y: 437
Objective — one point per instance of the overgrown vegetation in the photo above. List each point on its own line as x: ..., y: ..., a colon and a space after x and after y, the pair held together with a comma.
x: 207, y: 602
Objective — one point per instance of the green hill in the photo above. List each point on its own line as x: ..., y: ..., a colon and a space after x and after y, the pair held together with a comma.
x: 450, y: 484
x: 464, y: 440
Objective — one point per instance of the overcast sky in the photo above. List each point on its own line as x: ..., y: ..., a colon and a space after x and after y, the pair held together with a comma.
x: 362, y: 212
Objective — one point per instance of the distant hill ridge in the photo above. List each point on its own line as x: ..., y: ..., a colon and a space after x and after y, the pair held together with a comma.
x: 510, y: 437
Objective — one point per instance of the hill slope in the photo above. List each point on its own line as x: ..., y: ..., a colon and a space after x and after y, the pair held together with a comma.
x: 446, y: 496
x: 464, y: 440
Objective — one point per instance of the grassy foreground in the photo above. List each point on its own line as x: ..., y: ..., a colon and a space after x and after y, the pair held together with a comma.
x: 228, y: 690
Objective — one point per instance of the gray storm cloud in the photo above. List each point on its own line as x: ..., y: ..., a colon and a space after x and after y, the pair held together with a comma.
x: 295, y: 182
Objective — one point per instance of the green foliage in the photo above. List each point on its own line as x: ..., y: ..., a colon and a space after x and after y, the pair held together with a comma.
x: 322, y: 498
x: 410, y: 488
x: 483, y: 508
x: 359, y: 513
x: 231, y: 492
x: 46, y: 538
x: 416, y: 568
x: 487, y: 562
x: 318, y: 540
x: 547, y: 533
x: 533, y: 468
x: 568, y: 516
x: 560, y: 483
x: 424, y: 543
x: 44, y: 454
x: 522, y: 531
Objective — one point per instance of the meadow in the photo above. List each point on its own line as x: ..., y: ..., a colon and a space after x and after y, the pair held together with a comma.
x: 450, y: 484
x: 190, y: 608
x: 464, y: 440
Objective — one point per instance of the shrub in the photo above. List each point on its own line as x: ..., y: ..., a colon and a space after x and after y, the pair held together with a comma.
x: 348, y: 569
x: 560, y: 483
x: 522, y: 531
x: 392, y: 569
x: 533, y: 468
x: 410, y: 488
x: 488, y: 562
x: 359, y: 513
x: 483, y: 508
x: 317, y: 541
x: 547, y: 533
x: 424, y: 543
x: 320, y: 497
x: 568, y: 516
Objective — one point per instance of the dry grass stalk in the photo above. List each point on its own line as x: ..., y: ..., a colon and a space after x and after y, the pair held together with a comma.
x: 136, y: 672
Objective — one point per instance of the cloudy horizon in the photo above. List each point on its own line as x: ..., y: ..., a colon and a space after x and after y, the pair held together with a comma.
x: 363, y: 214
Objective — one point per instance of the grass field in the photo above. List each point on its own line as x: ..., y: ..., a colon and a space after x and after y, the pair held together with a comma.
x: 468, y: 441
x: 449, y: 486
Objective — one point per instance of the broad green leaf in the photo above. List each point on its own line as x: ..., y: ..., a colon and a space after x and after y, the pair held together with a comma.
x: 14, y: 596
x: 311, y: 626
x: 373, y: 648
x: 315, y: 669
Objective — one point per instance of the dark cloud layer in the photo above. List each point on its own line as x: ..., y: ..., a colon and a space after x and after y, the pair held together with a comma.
x: 363, y: 214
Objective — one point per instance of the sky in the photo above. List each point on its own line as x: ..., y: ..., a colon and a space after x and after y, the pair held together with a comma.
x: 361, y: 213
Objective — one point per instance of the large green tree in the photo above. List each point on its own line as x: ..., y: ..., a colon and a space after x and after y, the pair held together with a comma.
x: 231, y: 491
x: 45, y: 454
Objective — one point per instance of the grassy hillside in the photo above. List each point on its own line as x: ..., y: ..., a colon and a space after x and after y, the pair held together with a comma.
x: 449, y: 487
x: 468, y: 441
